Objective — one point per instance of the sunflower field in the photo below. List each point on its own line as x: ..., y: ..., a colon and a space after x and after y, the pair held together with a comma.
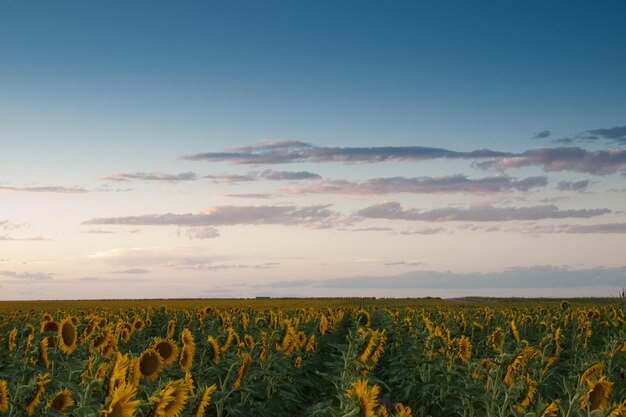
x: 313, y: 357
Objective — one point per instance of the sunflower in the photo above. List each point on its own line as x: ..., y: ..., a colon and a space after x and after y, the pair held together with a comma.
x: 171, y: 326
x: 514, y: 332
x: 551, y: 410
x: 264, y: 346
x: 134, y: 372
x: 246, y: 360
x: 167, y: 348
x: 11, y: 339
x: 150, y: 363
x: 67, y: 335
x: 597, y: 397
x: 248, y: 341
x: 323, y: 326
x: 368, y: 398
x: 117, y: 375
x: 61, y: 400
x: 529, y: 392
x: 214, y: 349
x: 43, y: 353
x: 496, y: 340
x: 517, y: 363
x: 402, y: 411
x: 35, y: 399
x: 119, y: 403
x: 170, y: 401
x: 186, y: 358
x: 138, y: 324
x: 204, y: 400
x: 52, y: 327
x: 4, y: 396
x: 617, y: 411
x: 187, y: 337
x: 590, y: 373
x: 463, y: 348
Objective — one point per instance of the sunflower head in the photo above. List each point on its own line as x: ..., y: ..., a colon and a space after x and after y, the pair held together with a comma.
x: 167, y: 348
x: 170, y: 401
x: 61, y: 400
x: 203, y: 400
x: 597, y: 397
x: 186, y: 358
x: 4, y: 396
x: 67, y: 335
x: 119, y: 403
x: 150, y: 363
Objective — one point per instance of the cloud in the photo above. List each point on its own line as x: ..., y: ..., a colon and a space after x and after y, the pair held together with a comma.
x: 290, y: 151
x: 228, y: 215
x: 245, y: 196
x: 27, y: 276
x: 393, y: 210
x: 423, y: 185
x: 24, y: 239
x: 133, y: 271
x: 617, y: 134
x: 403, y: 263
x: 424, y: 231
x: 150, y: 176
x: 551, y: 159
x: 520, y: 277
x: 542, y: 135
x: 268, y: 174
x: 45, y: 189
x: 139, y: 257
x: 368, y: 229
x: 572, y: 185
x: 576, y: 159
x: 98, y: 231
x: 600, y: 228
x: 206, y: 232
x: 212, y: 264
x: 9, y: 225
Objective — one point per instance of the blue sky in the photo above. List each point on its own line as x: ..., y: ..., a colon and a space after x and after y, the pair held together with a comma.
x: 105, y: 98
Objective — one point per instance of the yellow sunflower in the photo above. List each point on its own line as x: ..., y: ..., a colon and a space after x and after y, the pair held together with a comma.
x: 150, y: 363
x: 61, y: 400
x: 367, y: 397
x: 204, y: 400
x: 214, y: 349
x: 119, y: 403
x: 597, y: 397
x: 4, y: 396
x: 67, y: 335
x: 246, y: 360
x: 170, y: 401
x: 186, y: 358
x: 168, y: 349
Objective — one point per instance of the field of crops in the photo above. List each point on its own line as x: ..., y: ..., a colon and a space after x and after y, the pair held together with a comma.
x: 318, y: 357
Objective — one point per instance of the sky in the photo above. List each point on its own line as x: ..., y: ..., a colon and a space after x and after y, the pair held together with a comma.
x: 157, y: 149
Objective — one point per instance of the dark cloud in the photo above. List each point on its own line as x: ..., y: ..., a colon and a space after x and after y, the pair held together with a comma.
x: 522, y: 277
x: 542, y: 135
x: 150, y: 176
x: 27, y: 276
x: 423, y: 185
x: 551, y: 159
x: 572, y: 185
x: 229, y: 215
x: 393, y: 210
x: 424, y: 231
x: 615, y: 134
x: 281, y: 152
x: 576, y: 159
x: 268, y: 174
x: 44, y: 189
